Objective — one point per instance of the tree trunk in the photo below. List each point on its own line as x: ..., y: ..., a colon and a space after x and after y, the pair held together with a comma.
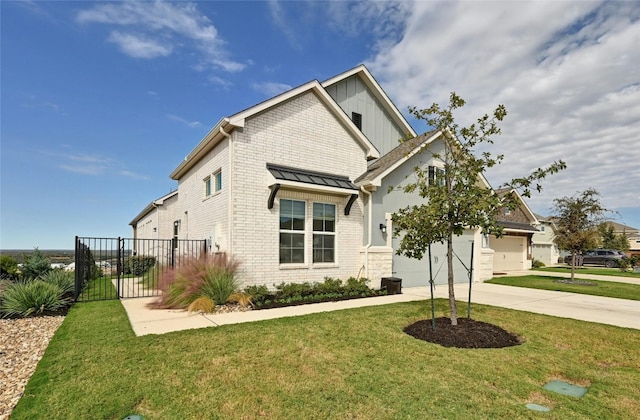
x: 452, y: 296
x: 573, y: 265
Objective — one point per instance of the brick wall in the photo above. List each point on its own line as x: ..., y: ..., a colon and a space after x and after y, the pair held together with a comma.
x: 304, y: 134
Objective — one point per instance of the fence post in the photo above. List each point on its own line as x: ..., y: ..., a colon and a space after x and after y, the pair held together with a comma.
x: 76, y: 289
x: 120, y: 266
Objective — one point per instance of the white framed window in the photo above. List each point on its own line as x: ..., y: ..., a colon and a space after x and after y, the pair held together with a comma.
x: 436, y: 175
x: 292, y: 231
x: 324, y: 233
x: 541, y: 228
x: 207, y: 187
x: 218, y: 180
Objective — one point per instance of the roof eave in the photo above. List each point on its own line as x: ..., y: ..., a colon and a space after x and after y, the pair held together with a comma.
x: 213, y: 137
x: 239, y: 119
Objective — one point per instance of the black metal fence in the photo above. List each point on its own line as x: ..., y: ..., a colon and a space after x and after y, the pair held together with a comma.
x: 113, y: 268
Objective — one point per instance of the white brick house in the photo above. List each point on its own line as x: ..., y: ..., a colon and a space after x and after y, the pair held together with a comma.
x: 284, y: 186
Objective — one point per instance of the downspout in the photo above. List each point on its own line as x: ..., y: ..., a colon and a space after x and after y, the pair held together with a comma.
x: 368, y: 245
x: 230, y: 189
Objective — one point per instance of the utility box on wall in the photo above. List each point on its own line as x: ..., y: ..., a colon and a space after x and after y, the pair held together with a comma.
x: 393, y: 285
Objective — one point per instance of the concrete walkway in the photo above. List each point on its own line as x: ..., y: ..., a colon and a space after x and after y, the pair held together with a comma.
x: 619, y: 312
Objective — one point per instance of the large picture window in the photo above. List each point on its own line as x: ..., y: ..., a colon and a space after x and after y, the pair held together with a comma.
x: 292, y: 216
x: 324, y: 232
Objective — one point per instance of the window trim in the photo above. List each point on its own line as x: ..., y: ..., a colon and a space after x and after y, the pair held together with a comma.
x: 303, y: 232
x: 217, y: 184
x: 207, y: 186
x: 323, y: 232
x: 435, y: 175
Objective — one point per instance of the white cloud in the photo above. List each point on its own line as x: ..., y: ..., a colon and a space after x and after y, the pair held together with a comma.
x: 139, y: 46
x: 271, y: 88
x: 568, y: 73
x: 192, y: 124
x: 161, y: 28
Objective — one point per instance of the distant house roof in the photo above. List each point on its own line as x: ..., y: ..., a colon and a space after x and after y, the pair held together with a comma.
x: 516, y: 226
x: 619, y: 228
x: 525, y: 208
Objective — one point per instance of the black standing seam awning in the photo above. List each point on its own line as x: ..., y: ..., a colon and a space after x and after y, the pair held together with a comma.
x: 284, y: 173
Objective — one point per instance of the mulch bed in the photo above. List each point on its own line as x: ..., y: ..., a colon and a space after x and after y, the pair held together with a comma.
x: 468, y: 334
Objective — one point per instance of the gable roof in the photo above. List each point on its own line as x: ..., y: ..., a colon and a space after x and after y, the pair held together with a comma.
x: 226, y: 125
x: 525, y: 208
x: 377, y: 92
x: 619, y: 227
x: 380, y: 168
x: 155, y: 203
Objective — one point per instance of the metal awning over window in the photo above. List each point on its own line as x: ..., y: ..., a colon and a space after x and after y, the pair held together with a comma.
x: 313, y: 181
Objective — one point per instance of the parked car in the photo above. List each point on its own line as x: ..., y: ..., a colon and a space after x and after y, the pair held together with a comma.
x: 607, y: 257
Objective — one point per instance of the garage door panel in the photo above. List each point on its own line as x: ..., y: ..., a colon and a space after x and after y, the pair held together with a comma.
x: 509, y: 253
x: 415, y: 272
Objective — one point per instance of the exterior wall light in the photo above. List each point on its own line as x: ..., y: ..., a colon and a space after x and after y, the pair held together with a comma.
x: 383, y: 228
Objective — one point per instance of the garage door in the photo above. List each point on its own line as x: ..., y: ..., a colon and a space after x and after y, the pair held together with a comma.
x: 509, y: 253
x: 415, y: 273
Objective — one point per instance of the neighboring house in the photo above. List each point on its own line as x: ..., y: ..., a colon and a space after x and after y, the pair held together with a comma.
x: 295, y: 188
x: 543, y: 243
x: 632, y: 234
x: 513, y: 251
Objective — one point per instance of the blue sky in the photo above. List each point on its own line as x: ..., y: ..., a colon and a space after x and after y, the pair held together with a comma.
x: 101, y: 101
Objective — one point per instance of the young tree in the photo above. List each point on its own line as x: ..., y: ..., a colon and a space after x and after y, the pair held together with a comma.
x: 611, y: 239
x: 36, y: 265
x: 577, y: 218
x: 461, y: 201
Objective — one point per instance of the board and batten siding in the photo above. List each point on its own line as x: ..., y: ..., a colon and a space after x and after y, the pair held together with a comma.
x: 352, y: 95
x: 301, y: 133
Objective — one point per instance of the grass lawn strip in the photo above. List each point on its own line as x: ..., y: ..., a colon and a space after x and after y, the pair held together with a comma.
x: 583, y: 286
x: 355, y: 364
x: 591, y: 270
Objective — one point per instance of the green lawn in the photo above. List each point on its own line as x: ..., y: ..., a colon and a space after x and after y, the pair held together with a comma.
x: 353, y: 364
x: 598, y: 288
x: 591, y: 270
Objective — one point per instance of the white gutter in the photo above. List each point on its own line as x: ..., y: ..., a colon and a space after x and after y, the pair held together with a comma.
x: 229, y: 194
x: 368, y: 245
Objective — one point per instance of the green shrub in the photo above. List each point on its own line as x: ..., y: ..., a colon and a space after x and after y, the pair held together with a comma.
x: 330, y: 285
x: 8, y: 267
x: 36, y: 296
x: 138, y: 265
x: 537, y: 263
x: 257, y: 293
x: 35, y: 265
x: 287, y: 290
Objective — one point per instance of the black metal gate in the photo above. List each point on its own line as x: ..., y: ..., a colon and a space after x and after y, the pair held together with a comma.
x: 114, y: 268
